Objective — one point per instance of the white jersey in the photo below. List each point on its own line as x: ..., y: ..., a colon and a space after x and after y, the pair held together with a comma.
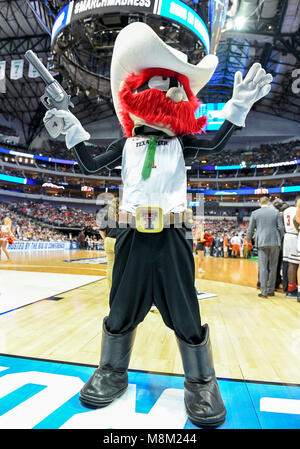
x: 167, y: 185
x: 288, y: 219
x: 235, y: 240
x: 290, y: 245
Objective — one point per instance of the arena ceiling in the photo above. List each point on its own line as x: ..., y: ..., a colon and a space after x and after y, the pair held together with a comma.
x: 257, y: 30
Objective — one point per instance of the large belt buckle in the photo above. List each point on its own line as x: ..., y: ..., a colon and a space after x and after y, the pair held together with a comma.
x: 149, y: 219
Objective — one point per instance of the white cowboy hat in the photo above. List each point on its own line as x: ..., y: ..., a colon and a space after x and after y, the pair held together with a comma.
x: 138, y: 47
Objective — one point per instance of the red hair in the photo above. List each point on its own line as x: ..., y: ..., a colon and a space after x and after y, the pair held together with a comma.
x: 181, y: 120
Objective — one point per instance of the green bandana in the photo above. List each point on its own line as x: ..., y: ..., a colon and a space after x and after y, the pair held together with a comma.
x: 149, y: 159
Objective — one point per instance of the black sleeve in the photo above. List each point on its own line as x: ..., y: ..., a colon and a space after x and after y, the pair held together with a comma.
x: 196, y: 148
x: 91, y: 165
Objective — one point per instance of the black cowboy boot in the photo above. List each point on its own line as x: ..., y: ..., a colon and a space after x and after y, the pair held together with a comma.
x: 202, y: 396
x: 110, y: 379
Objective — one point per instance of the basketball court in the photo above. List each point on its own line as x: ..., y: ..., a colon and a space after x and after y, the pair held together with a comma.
x: 52, y: 307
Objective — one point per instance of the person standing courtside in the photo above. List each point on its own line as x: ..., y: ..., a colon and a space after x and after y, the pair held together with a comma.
x: 269, y: 231
x: 290, y: 254
x: 108, y: 230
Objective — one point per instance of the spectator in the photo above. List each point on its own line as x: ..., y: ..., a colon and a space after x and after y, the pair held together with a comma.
x: 219, y: 245
x: 109, y: 232
x: 269, y: 230
x: 225, y: 245
x: 208, y: 242
x: 200, y: 247
x: 81, y: 239
x: 290, y: 248
x: 236, y: 243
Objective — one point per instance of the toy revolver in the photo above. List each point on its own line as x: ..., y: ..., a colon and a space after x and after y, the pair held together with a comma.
x: 55, y: 96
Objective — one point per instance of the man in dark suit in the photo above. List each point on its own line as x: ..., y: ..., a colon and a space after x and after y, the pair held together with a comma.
x: 269, y: 231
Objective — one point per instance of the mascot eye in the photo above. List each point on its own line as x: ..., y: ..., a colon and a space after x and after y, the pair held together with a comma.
x: 159, y: 82
x: 162, y: 83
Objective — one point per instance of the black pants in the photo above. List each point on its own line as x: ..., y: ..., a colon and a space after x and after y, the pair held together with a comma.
x: 267, y: 265
x: 154, y: 268
x: 285, y: 276
x: 279, y: 266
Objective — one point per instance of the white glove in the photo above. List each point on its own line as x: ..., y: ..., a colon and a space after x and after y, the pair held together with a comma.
x: 64, y: 122
x: 245, y: 93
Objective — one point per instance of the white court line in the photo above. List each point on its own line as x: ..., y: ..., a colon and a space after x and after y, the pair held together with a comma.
x: 20, y: 288
x: 276, y: 405
x: 52, y: 266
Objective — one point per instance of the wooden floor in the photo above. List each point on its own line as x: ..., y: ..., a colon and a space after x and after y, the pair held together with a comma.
x: 252, y: 338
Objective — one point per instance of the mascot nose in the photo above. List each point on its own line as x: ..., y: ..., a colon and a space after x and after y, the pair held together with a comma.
x: 175, y: 94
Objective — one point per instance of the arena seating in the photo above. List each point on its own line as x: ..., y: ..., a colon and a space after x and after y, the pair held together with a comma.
x: 25, y: 228
x: 33, y: 215
x: 41, y: 221
x: 62, y: 216
x: 264, y: 154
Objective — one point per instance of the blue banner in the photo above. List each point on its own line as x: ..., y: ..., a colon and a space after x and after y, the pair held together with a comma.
x: 20, y: 245
x: 247, y: 191
x: 16, y: 179
x: 174, y: 10
x: 35, y: 156
x: 62, y: 20
x: 180, y: 12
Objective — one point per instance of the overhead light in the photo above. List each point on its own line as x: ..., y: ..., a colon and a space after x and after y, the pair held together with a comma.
x: 239, y: 22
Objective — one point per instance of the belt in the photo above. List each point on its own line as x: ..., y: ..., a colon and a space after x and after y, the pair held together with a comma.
x: 171, y: 218
x: 165, y: 220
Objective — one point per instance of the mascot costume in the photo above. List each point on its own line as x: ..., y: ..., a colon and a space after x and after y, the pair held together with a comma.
x: 154, y: 92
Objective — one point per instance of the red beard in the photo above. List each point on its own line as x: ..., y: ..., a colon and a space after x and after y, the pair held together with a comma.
x: 155, y: 108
